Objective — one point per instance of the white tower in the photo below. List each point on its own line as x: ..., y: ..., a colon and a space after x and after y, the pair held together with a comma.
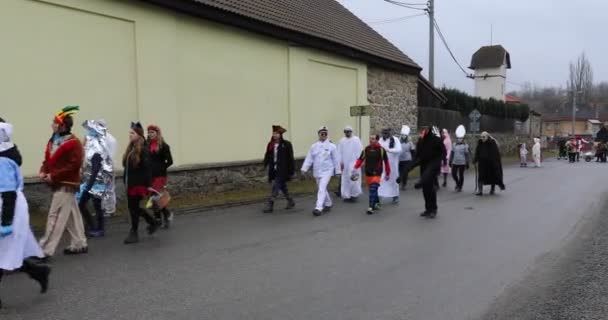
x: 490, y: 64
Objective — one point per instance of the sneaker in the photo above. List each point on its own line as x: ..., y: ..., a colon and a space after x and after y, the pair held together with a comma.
x: 152, y: 228
x: 395, y: 200
x: 432, y: 215
x: 290, y: 204
x: 425, y: 214
x: 326, y: 209
x: 317, y: 213
x: 73, y: 252
x: 370, y: 211
x: 96, y: 233
x: 133, y: 237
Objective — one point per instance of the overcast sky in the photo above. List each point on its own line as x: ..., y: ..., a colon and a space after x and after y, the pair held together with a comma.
x: 542, y: 36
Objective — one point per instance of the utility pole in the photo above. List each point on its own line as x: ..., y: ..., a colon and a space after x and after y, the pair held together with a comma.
x: 574, y: 112
x: 431, y: 10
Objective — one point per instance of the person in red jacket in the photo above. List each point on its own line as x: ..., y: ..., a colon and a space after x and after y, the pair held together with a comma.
x: 374, y: 157
x: 61, y: 171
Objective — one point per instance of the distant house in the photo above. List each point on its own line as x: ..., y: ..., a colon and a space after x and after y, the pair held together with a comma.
x: 561, y: 126
x: 490, y: 64
x: 512, y: 99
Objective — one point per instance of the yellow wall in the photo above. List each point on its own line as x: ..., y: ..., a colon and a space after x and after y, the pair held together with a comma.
x: 215, y: 90
x: 563, y: 128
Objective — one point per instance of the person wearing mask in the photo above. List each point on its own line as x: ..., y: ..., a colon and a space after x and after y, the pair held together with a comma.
x: 63, y: 160
x: 489, y: 164
x: 280, y: 162
x: 137, y: 181
x: 17, y: 242
x: 523, y: 155
x: 536, y: 152
x: 324, y: 160
x: 160, y: 160
x: 98, y: 176
x: 430, y: 153
x: 460, y: 156
x: 445, y: 167
x: 375, y: 159
x: 406, y: 156
x: 349, y: 149
x: 389, y: 188
x: 571, y: 147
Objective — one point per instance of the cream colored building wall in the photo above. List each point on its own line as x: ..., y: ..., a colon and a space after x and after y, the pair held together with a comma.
x: 215, y: 90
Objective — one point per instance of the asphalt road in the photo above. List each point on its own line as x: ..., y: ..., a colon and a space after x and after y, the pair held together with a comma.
x: 238, y: 263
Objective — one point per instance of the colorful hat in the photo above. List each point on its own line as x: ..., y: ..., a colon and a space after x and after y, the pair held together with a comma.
x: 65, y: 112
x: 278, y: 129
x: 138, y: 128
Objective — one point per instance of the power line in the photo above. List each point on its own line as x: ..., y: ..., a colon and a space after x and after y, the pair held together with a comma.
x: 445, y: 43
x: 409, y: 5
x: 396, y: 19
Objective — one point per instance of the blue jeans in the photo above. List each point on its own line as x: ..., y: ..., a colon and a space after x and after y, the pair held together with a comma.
x: 279, y: 185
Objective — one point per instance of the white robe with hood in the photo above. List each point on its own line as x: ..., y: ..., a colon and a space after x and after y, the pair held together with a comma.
x: 390, y: 188
x: 536, y: 152
x: 349, y: 150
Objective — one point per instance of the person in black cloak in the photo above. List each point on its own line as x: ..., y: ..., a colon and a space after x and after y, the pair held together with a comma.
x: 489, y: 164
x: 429, y: 156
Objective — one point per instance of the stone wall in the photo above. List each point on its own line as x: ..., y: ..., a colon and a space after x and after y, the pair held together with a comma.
x: 396, y: 96
x: 204, y: 179
x: 507, y: 143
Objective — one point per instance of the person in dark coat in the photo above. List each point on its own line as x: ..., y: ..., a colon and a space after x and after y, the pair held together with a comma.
x: 160, y: 159
x: 429, y: 156
x: 280, y: 162
x: 489, y: 164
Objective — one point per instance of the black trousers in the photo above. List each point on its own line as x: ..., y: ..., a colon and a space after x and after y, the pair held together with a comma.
x: 404, y: 171
x: 136, y: 211
x: 458, y: 175
x: 428, y: 178
x: 572, y: 156
x: 86, y: 214
x: 279, y: 185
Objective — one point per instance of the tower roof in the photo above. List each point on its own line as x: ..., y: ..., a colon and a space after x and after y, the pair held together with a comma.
x: 490, y: 57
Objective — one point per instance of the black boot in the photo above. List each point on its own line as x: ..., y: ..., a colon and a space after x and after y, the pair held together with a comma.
x: 133, y: 237
x: 492, y: 190
x: 39, y: 272
x: 269, y: 206
x: 290, y: 203
x: 479, y: 191
x: 167, y: 217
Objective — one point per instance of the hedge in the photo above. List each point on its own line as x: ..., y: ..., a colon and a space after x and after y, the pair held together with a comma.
x: 464, y: 103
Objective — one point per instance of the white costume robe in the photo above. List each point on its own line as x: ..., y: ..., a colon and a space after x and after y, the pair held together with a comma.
x: 349, y: 150
x: 390, y: 188
x: 536, y: 152
x: 21, y: 244
x: 325, y: 162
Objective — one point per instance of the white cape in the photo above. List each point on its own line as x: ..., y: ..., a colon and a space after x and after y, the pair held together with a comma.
x: 349, y: 150
x: 21, y: 244
x: 390, y: 188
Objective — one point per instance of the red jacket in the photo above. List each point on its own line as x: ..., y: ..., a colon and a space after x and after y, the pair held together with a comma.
x: 64, y: 164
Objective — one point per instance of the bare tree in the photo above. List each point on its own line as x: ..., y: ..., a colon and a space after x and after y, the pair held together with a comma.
x: 581, y: 79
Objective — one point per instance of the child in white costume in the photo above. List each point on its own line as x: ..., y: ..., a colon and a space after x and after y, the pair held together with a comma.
x: 17, y: 242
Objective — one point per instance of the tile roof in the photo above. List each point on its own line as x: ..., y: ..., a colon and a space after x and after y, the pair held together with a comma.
x: 326, y: 20
x: 490, y: 57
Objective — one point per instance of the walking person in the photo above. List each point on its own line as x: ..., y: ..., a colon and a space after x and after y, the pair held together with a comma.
x: 160, y: 159
x: 375, y: 157
x: 523, y: 155
x: 536, y: 152
x: 137, y: 181
x: 406, y: 156
x: 280, y: 162
x: 17, y: 242
x: 324, y: 160
x: 430, y: 153
x: 460, y: 156
x: 487, y: 158
x: 349, y: 149
x: 571, y: 147
x: 63, y: 159
x: 389, y: 188
x: 98, y: 177
x: 445, y: 167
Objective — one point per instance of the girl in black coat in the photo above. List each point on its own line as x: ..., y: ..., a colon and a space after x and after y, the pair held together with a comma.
x: 281, y: 167
x: 489, y: 164
x: 160, y: 161
x: 137, y: 181
x: 430, y: 153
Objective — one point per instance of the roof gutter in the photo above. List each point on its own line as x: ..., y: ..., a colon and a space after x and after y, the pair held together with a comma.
x: 217, y: 15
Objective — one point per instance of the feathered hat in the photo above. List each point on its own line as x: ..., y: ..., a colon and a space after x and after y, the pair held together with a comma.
x: 65, y: 112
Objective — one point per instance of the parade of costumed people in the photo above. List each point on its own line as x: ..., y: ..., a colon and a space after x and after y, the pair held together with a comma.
x: 488, y: 163
x: 377, y: 165
x: 459, y: 158
x: 324, y: 160
x: 98, y: 176
x: 17, y: 242
x: 430, y: 153
x: 137, y: 180
x: 349, y: 150
x: 60, y: 170
x: 160, y: 159
x: 389, y: 188
x: 445, y: 167
x: 279, y: 160
x: 406, y: 158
